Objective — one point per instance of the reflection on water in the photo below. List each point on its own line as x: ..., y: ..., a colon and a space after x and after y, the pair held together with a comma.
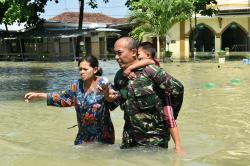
x: 19, y: 78
x: 214, y: 120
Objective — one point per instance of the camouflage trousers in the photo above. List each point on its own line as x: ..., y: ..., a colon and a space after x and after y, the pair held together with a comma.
x: 144, y: 127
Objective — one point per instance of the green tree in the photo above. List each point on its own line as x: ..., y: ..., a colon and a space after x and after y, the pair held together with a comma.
x: 202, y: 7
x: 3, y: 8
x: 156, y: 17
x: 22, y: 11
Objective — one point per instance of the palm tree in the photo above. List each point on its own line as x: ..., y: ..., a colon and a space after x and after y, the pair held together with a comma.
x: 156, y: 17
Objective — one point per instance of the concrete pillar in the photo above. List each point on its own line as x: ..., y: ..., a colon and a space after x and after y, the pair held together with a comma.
x: 217, y: 42
x: 95, y: 49
x: 56, y: 48
x: 187, y: 47
x: 182, y: 40
x: 105, y: 47
x: 21, y: 47
x: 158, y: 48
x: 73, y: 45
x: 60, y: 49
x: 248, y: 43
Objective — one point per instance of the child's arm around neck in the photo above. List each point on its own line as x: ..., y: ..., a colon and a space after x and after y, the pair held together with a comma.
x: 137, y: 65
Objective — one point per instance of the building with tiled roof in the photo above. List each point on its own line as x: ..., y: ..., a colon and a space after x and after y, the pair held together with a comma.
x: 73, y: 17
x: 57, y: 38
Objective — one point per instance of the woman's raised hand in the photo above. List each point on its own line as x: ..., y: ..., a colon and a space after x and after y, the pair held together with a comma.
x: 32, y: 95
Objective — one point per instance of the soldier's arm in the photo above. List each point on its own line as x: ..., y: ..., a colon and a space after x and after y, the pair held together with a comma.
x: 164, y: 80
x: 160, y: 77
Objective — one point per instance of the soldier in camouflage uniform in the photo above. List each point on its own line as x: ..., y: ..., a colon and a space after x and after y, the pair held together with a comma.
x: 141, y: 99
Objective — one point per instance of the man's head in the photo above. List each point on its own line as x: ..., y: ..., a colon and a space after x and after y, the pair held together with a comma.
x: 125, y: 51
x: 146, y: 50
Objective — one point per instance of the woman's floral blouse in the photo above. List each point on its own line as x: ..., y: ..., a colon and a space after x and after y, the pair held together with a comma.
x: 93, y: 117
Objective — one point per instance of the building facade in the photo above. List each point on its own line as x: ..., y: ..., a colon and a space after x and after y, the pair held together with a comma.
x: 227, y: 30
x: 56, y: 39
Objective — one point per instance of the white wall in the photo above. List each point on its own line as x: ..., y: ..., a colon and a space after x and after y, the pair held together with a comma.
x: 221, y: 2
x: 174, y: 34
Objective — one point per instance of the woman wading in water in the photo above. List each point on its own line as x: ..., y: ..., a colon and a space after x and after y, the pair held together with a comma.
x: 93, y: 117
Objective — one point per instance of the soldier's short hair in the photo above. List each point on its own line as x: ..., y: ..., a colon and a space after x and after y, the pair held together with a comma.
x: 131, y: 43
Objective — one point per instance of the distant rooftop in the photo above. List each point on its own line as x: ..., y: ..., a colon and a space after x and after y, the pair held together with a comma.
x: 73, y: 17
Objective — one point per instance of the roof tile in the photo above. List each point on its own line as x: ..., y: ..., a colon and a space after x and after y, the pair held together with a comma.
x: 72, y: 17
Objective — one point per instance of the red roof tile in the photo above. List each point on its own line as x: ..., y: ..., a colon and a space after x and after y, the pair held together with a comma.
x: 72, y: 17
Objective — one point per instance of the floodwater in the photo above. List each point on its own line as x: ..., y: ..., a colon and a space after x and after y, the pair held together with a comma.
x: 214, y: 121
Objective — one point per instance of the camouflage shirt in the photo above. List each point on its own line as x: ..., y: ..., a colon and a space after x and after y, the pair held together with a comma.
x: 141, y: 101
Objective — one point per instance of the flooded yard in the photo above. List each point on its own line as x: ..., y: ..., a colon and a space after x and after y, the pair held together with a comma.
x: 214, y: 121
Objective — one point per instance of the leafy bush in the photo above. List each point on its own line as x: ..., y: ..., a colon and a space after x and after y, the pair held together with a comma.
x: 221, y: 53
x: 168, y: 53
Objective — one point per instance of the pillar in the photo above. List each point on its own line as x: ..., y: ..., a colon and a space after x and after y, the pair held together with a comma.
x: 217, y: 42
x: 182, y: 40
x: 248, y: 42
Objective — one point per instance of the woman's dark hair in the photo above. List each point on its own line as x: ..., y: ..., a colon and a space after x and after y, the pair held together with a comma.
x: 93, y: 62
